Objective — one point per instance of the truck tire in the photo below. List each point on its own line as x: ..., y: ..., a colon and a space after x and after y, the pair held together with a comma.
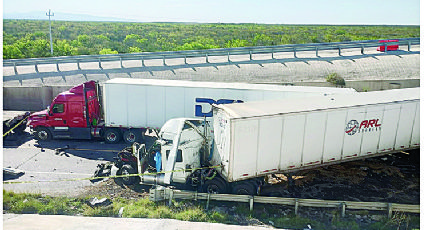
x: 215, y: 186
x: 244, y: 188
x: 132, y: 135
x: 127, y: 170
x: 112, y: 136
x: 43, y: 134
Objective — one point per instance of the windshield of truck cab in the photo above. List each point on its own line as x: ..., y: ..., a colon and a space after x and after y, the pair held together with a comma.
x: 197, y: 123
x: 169, y: 130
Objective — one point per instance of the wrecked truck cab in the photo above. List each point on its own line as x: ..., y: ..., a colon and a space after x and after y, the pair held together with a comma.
x: 182, y: 146
x: 187, y: 153
x: 181, y: 142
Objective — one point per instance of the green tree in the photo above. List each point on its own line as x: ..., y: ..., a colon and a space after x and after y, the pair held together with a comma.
x: 63, y: 48
x: 40, y: 48
x: 12, y: 52
x: 133, y: 49
x: 236, y: 43
x: 92, y: 37
x: 131, y: 40
x: 262, y: 40
x: 108, y: 51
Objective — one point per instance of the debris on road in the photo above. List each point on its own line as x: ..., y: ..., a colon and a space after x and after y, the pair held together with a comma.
x: 16, y: 124
x: 103, y: 170
x: 61, y: 150
x: 12, y: 172
x: 94, y: 202
x: 14, y: 128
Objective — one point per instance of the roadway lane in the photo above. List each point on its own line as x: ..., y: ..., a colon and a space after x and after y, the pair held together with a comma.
x: 352, y: 65
x: 41, y: 163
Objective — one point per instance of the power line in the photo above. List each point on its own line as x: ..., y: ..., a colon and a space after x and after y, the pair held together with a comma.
x: 50, y: 28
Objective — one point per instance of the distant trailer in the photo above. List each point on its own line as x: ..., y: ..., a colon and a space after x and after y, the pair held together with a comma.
x: 389, y: 47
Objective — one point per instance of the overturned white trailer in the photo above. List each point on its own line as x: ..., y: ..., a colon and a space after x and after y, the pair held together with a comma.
x: 258, y: 138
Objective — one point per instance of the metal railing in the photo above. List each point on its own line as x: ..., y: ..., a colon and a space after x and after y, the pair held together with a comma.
x: 170, y: 194
x: 99, y: 59
x: 212, y: 52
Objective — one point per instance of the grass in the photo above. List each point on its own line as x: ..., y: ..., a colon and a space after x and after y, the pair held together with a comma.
x: 26, y: 203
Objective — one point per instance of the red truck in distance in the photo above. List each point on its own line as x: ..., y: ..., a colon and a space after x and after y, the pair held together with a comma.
x: 389, y: 47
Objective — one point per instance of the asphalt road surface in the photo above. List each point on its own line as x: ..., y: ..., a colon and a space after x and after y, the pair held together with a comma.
x: 52, y: 172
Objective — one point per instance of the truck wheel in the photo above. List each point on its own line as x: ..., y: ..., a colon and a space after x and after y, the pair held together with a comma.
x: 42, y: 134
x: 244, y: 188
x: 130, y: 136
x: 127, y: 170
x: 112, y: 136
x: 215, y: 186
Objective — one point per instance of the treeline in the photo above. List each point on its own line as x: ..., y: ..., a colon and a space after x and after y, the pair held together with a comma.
x: 30, y: 38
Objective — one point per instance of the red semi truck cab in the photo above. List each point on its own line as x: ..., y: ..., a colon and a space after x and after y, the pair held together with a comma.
x: 73, y: 114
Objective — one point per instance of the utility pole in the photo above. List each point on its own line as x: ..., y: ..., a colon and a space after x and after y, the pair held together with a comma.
x: 50, y: 29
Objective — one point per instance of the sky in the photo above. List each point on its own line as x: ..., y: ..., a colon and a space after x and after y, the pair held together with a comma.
x: 375, y: 12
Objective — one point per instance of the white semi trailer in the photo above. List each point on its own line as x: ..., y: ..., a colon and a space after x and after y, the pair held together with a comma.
x: 254, y: 139
x: 125, y: 108
x: 131, y: 105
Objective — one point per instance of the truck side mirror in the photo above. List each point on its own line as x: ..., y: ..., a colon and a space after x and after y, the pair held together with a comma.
x: 48, y: 111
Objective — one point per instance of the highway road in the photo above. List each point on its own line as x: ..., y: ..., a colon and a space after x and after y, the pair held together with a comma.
x: 284, y: 68
x: 42, y: 164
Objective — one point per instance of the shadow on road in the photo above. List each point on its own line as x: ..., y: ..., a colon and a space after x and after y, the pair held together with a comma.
x: 15, y: 140
x: 89, y: 149
x: 92, y: 150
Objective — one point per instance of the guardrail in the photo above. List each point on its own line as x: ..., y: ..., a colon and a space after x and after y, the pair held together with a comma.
x: 315, y: 47
x: 213, y: 52
x: 162, y: 193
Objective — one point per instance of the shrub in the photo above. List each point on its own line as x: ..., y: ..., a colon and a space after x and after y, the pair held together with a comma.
x: 217, y: 217
x: 336, y: 80
x: 193, y: 214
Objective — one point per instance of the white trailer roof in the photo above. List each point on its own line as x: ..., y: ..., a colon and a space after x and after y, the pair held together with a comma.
x: 296, y: 105
x: 227, y: 85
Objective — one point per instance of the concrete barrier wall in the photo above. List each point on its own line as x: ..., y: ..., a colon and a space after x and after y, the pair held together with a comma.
x: 30, y: 98
x: 38, y: 98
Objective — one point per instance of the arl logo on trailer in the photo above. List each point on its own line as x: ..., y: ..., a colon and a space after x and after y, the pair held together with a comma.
x: 371, y: 125
x: 209, y: 101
